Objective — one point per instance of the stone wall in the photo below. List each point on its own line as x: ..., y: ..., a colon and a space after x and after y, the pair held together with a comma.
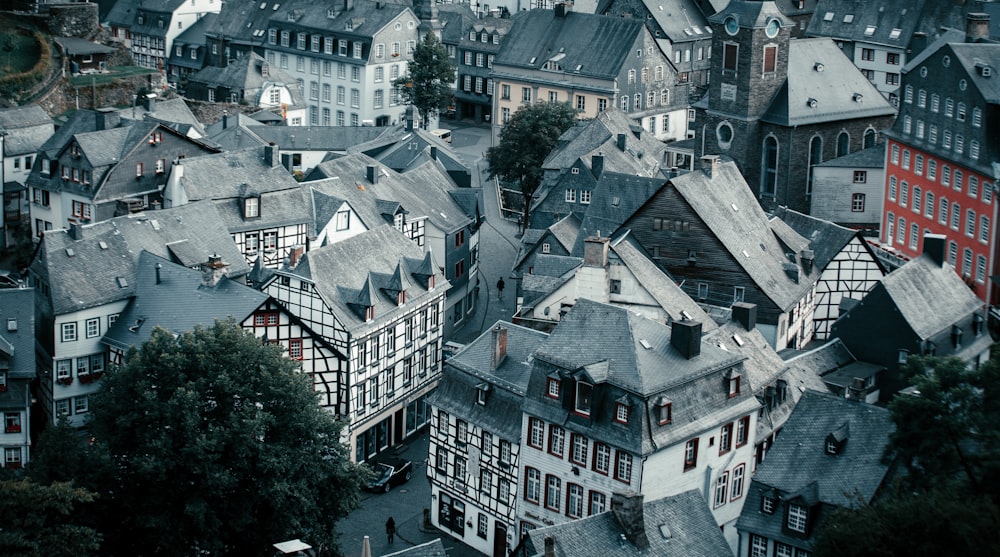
x: 73, y: 20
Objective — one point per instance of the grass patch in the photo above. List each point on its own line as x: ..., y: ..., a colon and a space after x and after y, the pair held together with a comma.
x: 115, y: 73
x: 19, y: 51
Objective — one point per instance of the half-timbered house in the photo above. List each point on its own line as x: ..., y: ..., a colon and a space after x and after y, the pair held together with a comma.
x: 378, y: 299
x: 267, y: 212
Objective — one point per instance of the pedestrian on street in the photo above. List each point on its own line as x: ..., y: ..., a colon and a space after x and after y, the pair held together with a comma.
x: 390, y: 529
x: 500, y: 289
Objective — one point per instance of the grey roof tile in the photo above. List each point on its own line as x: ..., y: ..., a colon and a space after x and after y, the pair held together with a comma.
x: 433, y: 548
x: 825, y: 238
x: 930, y: 297
x: 27, y: 128
x: 17, y: 348
x: 871, y: 157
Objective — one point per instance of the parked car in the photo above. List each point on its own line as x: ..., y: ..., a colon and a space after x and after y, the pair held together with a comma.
x: 390, y: 473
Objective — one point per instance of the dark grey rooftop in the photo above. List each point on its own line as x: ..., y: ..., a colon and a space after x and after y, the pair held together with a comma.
x: 433, y: 548
x: 969, y: 54
x: 221, y: 176
x: 871, y: 157
x: 826, y: 239
x: 75, y: 47
x: 27, y: 128
x: 17, y: 348
x: 930, y: 297
x: 600, y: 136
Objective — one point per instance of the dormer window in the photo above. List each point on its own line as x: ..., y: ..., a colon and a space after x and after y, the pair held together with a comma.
x: 621, y: 411
x: 12, y: 324
x: 831, y: 446
x: 482, y: 391
x: 369, y: 313
x: 664, y: 411
x: 836, y: 440
x: 251, y: 207
x: 552, y: 387
x: 977, y: 325
x: 430, y: 282
x: 401, y: 297
x: 797, y: 518
x: 584, y: 392
x: 767, y: 503
x: 956, y: 336
x: 902, y: 355
x: 397, y: 221
x: 732, y: 383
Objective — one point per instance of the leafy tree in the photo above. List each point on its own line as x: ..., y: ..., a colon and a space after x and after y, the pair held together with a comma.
x: 525, y: 141
x: 427, y: 85
x: 38, y: 520
x: 219, y: 447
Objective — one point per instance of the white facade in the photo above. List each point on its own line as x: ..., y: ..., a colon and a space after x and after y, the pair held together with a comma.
x: 846, y: 195
x: 882, y: 65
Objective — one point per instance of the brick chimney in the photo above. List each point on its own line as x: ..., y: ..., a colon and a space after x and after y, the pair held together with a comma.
x: 627, y: 510
x: 745, y: 314
x: 597, y: 164
x: 685, y: 337
x: 295, y: 255
x: 595, y: 251
x: 977, y: 27
x: 499, y: 352
x: 710, y: 165
x: 934, y: 247
x: 213, y: 270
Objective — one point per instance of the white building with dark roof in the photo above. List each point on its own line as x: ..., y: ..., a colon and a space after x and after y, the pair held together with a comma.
x: 17, y: 372
x: 23, y: 131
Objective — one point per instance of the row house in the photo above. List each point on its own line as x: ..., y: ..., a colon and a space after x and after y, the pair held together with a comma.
x: 548, y: 57
x: 475, y: 439
x: 149, y: 30
x: 940, y: 161
x: 378, y: 299
x: 555, y: 241
x: 472, y: 47
x: 241, y: 29
x: 23, y: 131
x: 265, y: 210
x: 189, y: 52
x: 829, y: 457
x: 86, y: 276
x: 358, y: 194
x: 345, y: 56
x: 177, y: 298
x: 921, y: 309
x: 708, y: 231
x: 779, y: 107
x: 96, y: 167
x: 250, y: 81
x: 406, y: 147
x: 17, y: 371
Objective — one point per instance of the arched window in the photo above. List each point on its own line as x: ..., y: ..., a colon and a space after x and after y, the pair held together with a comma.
x: 843, y: 144
x: 869, y: 138
x: 769, y: 167
x: 815, y: 157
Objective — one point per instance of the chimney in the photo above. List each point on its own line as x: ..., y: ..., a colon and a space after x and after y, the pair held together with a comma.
x: 76, y: 231
x: 621, y: 141
x: 225, y: 119
x: 158, y: 267
x: 499, y: 346
x: 408, y: 117
x: 149, y: 101
x: 563, y: 8
x: 685, y: 337
x: 550, y: 546
x: 597, y: 164
x: 295, y: 255
x: 627, y: 509
x: 348, y: 5
x: 107, y: 119
x: 213, y: 270
x: 792, y: 270
x: 710, y: 165
x: 808, y: 257
x: 372, y: 173
x: 977, y: 27
x: 918, y: 43
x: 272, y: 155
x: 595, y: 251
x: 745, y: 314
x: 434, y: 153
x: 934, y: 247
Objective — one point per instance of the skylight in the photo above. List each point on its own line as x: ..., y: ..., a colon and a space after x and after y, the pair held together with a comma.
x: 849, y: 18
x: 870, y: 30
x: 895, y: 33
x: 828, y: 16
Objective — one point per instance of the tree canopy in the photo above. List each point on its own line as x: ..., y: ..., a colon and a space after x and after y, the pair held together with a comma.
x: 428, y: 83
x: 525, y: 141
x: 219, y: 446
x: 37, y: 520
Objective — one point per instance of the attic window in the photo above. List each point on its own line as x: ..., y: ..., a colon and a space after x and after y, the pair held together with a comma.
x: 251, y: 207
x: 552, y: 387
x: 369, y: 313
x: 664, y: 411
x: 828, y: 16
x: 122, y: 283
x: 849, y: 18
x: 584, y: 391
x: 895, y: 33
x: 621, y: 411
x: 732, y: 382
x: 977, y: 324
x: 956, y: 336
x: 738, y: 340
x: 767, y: 503
x: 831, y: 446
x: 482, y: 390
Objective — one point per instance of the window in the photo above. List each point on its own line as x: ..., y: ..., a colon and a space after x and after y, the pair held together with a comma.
x: 482, y: 526
x: 956, y: 215
x: 570, y: 196
x: 932, y: 170
x: 621, y: 413
x: 980, y: 268
x: 722, y: 489
x: 738, y: 474
x: 93, y: 327
x: 553, y: 492
x: 585, y: 197
x: 858, y: 203
x: 623, y: 467
x: 914, y: 235
x: 929, y: 206
x: 68, y: 332
x: 973, y: 186
x: 895, y: 155
x: 970, y: 222
x: 526, y: 94
x: 81, y: 404
x: 984, y: 229
x: 12, y: 455
x: 532, y: 487
x: 552, y: 388
x: 691, y: 454
x: 557, y: 439
x: 251, y: 207
x: 574, y: 501
x: 958, y: 180
x: 726, y: 438
x: 868, y: 54
x: 536, y: 432
x: 295, y: 348
x: 583, y: 394
x: 769, y: 176
x: 797, y: 518
x: 62, y: 407
x: 579, y: 449
x: 906, y: 159
x: 770, y: 55
x: 729, y: 55
x: 943, y: 213
x: 966, y: 262
x: 892, y: 188
x: 758, y: 546
x: 598, y: 503
x: 916, y: 199
x: 904, y: 194
x: 602, y: 458
x: 860, y: 176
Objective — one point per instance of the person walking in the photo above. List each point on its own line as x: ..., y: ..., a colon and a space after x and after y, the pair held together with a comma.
x: 500, y: 289
x: 390, y: 529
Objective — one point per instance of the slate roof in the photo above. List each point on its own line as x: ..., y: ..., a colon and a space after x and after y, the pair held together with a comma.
x: 615, y: 198
x: 102, y: 266
x: 894, y: 21
x: 17, y: 348
x: 296, y: 138
x: 871, y: 157
x: 751, y: 14
x: 172, y: 113
x: 277, y: 208
x: 946, y: 36
x: 600, y: 135
x: 536, y: 36
x: 826, y: 239
x: 798, y: 458
x: 405, y: 151
x: 340, y: 270
x: 930, y: 297
x: 174, y: 298
x: 677, y: 526
x: 367, y: 16
x: 220, y: 176
x: 564, y: 231
x: 470, y: 367
x: 27, y: 129
x: 75, y: 47
x: 246, y: 74
x: 422, y: 192
x: 728, y: 207
x: 823, y: 85
x: 433, y: 548
x: 968, y: 54
x: 240, y: 20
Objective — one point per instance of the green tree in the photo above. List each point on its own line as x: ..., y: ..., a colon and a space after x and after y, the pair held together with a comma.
x: 427, y: 85
x: 221, y: 447
x: 525, y: 141
x: 37, y: 520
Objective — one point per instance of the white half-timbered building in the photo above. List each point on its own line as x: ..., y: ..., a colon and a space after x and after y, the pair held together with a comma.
x: 475, y: 438
x: 848, y: 266
x: 265, y: 210
x: 378, y: 299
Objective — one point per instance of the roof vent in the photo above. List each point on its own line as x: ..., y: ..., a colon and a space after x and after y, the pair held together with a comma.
x: 818, y: 66
x: 812, y: 103
x: 858, y: 98
x: 645, y: 344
